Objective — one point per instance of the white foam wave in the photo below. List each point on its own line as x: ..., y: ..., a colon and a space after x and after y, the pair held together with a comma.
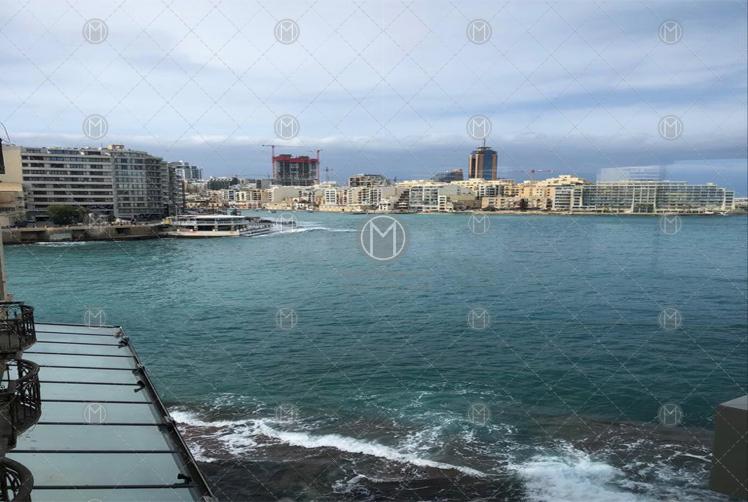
x: 571, y: 475
x: 240, y: 435
x: 63, y: 244
x: 353, y: 445
x: 301, y: 228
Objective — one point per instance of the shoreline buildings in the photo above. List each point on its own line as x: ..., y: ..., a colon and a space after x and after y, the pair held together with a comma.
x: 119, y: 183
x: 110, y: 182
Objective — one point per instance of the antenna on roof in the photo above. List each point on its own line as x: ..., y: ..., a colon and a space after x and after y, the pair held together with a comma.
x: 6, y: 133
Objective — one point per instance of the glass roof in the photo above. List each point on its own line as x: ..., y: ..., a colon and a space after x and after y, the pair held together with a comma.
x: 103, y: 433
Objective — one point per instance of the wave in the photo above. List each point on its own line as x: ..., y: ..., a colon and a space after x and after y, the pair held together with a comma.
x: 64, y: 244
x: 241, y: 435
x: 301, y: 229
x: 572, y: 475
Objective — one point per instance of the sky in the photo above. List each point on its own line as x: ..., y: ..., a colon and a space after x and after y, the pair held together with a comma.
x: 389, y: 87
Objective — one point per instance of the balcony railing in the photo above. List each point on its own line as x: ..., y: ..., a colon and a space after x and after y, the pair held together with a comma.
x: 20, y: 401
x: 17, y: 331
x: 16, y: 481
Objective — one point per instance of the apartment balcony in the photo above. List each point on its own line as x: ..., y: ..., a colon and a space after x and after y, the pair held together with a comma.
x: 20, y: 401
x: 16, y: 481
x: 17, y: 331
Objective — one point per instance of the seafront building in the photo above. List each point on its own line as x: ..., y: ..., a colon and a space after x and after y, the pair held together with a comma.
x: 564, y: 193
x: 644, y: 197
x: 186, y: 171
x: 483, y: 163
x: 12, y: 206
x: 633, y: 173
x: 110, y: 182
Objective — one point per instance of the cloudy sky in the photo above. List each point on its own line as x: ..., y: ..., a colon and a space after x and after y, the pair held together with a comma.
x: 568, y: 86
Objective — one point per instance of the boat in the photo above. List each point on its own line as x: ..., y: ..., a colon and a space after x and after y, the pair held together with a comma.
x: 218, y: 225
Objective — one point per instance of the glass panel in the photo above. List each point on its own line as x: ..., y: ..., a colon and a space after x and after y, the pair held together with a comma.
x: 41, y: 347
x: 65, y: 469
x: 93, y: 437
x: 59, y: 328
x: 72, y: 360
x: 47, y: 374
x: 115, y: 413
x: 90, y: 392
x: 61, y: 337
x: 128, y: 495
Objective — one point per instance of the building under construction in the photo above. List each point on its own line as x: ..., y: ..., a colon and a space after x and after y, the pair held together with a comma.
x: 295, y: 171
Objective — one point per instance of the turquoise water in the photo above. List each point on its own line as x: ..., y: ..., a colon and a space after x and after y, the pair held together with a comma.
x: 373, y: 393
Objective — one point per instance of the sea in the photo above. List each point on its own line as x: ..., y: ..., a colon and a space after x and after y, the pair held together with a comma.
x: 509, y: 357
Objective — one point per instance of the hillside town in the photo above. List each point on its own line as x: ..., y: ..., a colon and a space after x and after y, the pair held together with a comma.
x: 115, y: 183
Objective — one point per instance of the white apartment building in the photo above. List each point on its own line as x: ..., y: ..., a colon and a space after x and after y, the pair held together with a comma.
x: 644, y: 197
x: 111, y: 181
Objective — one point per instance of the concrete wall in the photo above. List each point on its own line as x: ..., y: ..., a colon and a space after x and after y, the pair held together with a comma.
x: 730, y: 451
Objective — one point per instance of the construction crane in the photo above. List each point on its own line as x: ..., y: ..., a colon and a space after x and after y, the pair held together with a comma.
x: 327, y: 173
x: 272, y: 160
x: 317, y: 151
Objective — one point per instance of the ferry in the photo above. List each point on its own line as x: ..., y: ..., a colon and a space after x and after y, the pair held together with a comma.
x: 219, y: 225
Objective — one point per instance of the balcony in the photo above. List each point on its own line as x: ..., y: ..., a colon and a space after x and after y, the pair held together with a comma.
x: 20, y: 401
x: 16, y: 481
x: 17, y: 331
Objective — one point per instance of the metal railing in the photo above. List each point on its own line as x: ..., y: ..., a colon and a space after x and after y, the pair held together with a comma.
x: 17, y: 331
x: 20, y: 401
x: 16, y: 481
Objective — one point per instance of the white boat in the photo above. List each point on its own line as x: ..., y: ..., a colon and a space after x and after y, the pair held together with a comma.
x: 218, y: 225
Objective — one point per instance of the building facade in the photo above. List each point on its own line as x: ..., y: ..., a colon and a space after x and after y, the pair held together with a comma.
x: 108, y: 182
x: 645, y: 197
x: 449, y: 176
x: 295, y: 171
x: 12, y: 206
x: 186, y: 171
x: 483, y: 163
x: 367, y: 180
